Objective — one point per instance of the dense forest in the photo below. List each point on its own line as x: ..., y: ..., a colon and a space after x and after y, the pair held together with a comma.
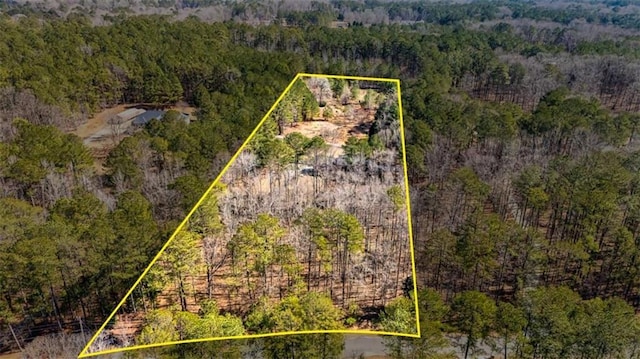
x: 522, y: 142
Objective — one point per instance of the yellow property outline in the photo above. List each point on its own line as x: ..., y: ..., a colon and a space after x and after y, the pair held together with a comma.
x: 85, y: 354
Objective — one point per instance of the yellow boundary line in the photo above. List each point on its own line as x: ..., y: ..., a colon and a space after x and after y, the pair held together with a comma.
x: 343, y: 77
x: 248, y: 336
x: 85, y: 354
x: 408, y: 201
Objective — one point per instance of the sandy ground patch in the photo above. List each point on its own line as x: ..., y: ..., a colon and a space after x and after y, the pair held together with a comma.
x: 98, y: 122
x: 98, y: 134
x: 324, y: 129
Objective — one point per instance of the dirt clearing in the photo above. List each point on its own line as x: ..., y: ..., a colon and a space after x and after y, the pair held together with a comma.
x: 100, y: 137
x: 98, y: 134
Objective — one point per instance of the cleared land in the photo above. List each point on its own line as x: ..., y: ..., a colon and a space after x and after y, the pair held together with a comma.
x: 101, y: 137
x: 96, y: 133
